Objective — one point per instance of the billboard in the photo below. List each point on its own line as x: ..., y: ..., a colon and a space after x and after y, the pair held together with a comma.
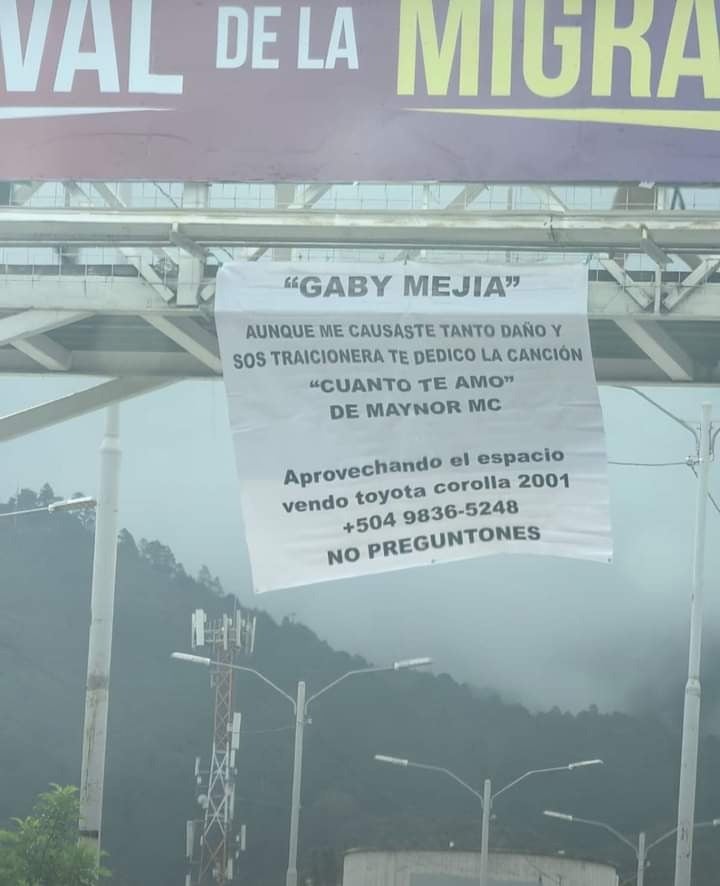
x: 360, y: 90
x: 395, y: 415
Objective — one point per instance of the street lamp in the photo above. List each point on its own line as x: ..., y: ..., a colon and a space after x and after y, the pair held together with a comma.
x: 300, y: 706
x: 641, y: 850
x: 700, y: 463
x: 92, y: 772
x: 487, y: 797
x: 68, y: 504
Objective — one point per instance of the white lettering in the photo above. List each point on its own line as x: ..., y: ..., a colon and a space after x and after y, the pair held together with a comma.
x: 305, y: 62
x: 261, y: 37
x: 22, y: 72
x: 102, y: 59
x: 227, y: 14
x: 342, y: 40
x: 140, y: 78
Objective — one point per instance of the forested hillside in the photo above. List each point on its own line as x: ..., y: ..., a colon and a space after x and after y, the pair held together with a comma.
x: 160, y: 721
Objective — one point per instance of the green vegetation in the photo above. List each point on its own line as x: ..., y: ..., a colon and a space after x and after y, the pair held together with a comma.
x: 160, y: 720
x: 42, y: 849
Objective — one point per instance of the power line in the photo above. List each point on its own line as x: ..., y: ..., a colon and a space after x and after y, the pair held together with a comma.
x: 710, y: 495
x: 670, y: 415
x: 287, y: 728
x: 649, y: 464
x: 679, y: 421
x: 666, y: 464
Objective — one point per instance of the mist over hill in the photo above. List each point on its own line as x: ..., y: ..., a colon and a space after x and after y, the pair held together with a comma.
x: 160, y: 720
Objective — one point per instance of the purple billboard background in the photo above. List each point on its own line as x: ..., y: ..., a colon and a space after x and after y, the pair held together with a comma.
x: 287, y: 124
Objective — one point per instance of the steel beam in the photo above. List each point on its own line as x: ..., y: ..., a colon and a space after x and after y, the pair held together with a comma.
x: 54, y: 412
x: 651, y: 248
x: 115, y: 355
x: 45, y: 352
x: 25, y: 191
x: 651, y: 338
x: 691, y: 283
x: 546, y: 193
x: 78, y: 294
x: 465, y: 197
x: 105, y: 364
x: 61, y: 298
x: 191, y: 264
x: 311, y: 195
x: 636, y: 291
x: 594, y: 232
x: 285, y: 199
x: 141, y: 260
x: 191, y: 337
x: 460, y: 202
x: 29, y: 323
x: 180, y: 366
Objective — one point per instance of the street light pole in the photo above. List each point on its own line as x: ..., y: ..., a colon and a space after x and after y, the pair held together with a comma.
x: 485, y: 831
x: 300, y: 707
x: 642, y: 849
x: 92, y: 776
x: 487, y: 798
x: 641, y: 859
x: 67, y: 504
x: 691, y: 715
x: 300, y: 716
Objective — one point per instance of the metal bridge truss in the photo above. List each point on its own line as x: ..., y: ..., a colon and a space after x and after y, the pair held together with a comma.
x: 117, y: 281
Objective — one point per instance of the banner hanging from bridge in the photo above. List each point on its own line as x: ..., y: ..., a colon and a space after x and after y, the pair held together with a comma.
x: 370, y: 90
x: 394, y: 415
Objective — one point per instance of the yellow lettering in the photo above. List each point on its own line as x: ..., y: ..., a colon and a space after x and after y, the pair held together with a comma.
x: 502, y: 47
x: 462, y: 24
x: 569, y: 39
x: 677, y: 64
x: 608, y: 38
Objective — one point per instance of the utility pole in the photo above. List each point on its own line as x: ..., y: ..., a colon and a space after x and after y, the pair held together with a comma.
x: 291, y: 876
x: 485, y: 833
x: 97, y: 694
x: 691, y: 716
x: 641, y: 860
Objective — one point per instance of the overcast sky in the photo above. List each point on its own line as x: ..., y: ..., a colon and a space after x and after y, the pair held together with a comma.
x: 543, y: 631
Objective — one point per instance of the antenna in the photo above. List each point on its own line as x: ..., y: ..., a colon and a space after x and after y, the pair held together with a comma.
x: 215, y: 838
x: 235, y: 737
x: 198, y: 619
x: 190, y: 840
x: 252, y: 636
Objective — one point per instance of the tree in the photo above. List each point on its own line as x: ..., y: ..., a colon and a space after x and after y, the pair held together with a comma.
x: 127, y: 543
x: 46, y: 496
x: 159, y: 555
x: 163, y: 717
x: 209, y: 581
x: 43, y: 849
x: 24, y: 500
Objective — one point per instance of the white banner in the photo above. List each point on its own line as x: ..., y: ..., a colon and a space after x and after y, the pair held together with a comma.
x: 396, y: 415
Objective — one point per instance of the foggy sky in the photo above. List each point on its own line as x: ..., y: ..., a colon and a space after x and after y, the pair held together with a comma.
x: 541, y: 630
